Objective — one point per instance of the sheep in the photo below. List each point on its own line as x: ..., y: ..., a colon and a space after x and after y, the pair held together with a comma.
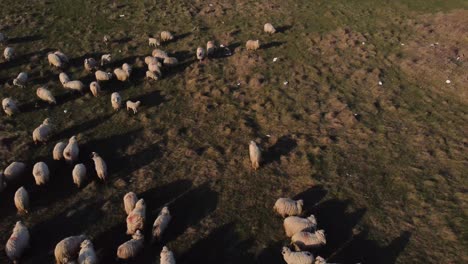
x: 269, y: 28
x: 95, y: 88
x: 288, y: 207
x: 100, y: 166
x: 21, y: 79
x: 295, y: 224
x: 90, y: 64
x: 252, y: 44
x: 255, y: 155
x: 105, y: 59
x: 155, y: 67
x: 136, y: 218
x: 161, y: 222
x: 127, y: 68
x: 159, y: 54
x: 87, y: 255
x: 41, y: 173
x: 71, y: 151
x: 102, y: 76
x: 45, y: 95
x: 151, y: 59
x: 2, y: 182
x: 303, y: 257
x: 153, y: 42
x: 106, y: 39
x: 9, y: 106
x: 74, y: 85
x: 57, y: 153
x: 210, y: 48
x: 14, y: 171
x: 320, y: 260
x: 62, y: 56
x: 132, y: 247
x: 151, y: 75
x: 170, y: 61
x: 79, y: 174
x: 200, y: 54
x: 22, y: 200
x: 42, y: 132
x: 305, y: 240
x: 54, y: 60
x: 116, y: 100
x: 18, y: 242
x: 167, y: 257
x: 130, y: 199
x: 121, y: 75
x: 133, y: 106
x: 9, y: 53
x: 63, y: 77
x: 166, y: 36
x: 67, y: 249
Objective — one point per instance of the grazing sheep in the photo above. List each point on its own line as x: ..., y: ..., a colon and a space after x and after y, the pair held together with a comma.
x: 320, y: 260
x: 295, y: 224
x: 269, y: 28
x: 9, y: 53
x: 79, y: 174
x: 288, y: 207
x: 71, y: 151
x: 155, y: 68
x: 151, y: 59
x: 255, y: 155
x: 9, y: 106
x: 170, y: 61
x: 121, y: 75
x: 200, y: 54
x: 22, y: 200
x: 303, y: 257
x: 161, y: 222
x: 95, y: 88
x: 210, y: 48
x: 74, y: 85
x: 42, y: 132
x: 116, y: 100
x: 102, y: 76
x: 306, y: 240
x: 166, y: 36
x: 2, y: 182
x: 14, y: 171
x: 136, y: 218
x: 21, y: 79
x: 68, y: 249
x: 151, y: 75
x: 105, y: 59
x: 153, y: 42
x: 159, y: 54
x: 57, y: 153
x: 130, y: 199
x: 41, y: 173
x: 133, y: 106
x: 100, y: 166
x: 127, y: 68
x: 54, y: 60
x: 252, y: 44
x: 87, y: 255
x: 167, y: 257
x: 62, y: 56
x: 106, y: 39
x: 132, y: 247
x: 45, y: 95
x: 18, y: 242
x: 63, y: 77
x: 90, y: 64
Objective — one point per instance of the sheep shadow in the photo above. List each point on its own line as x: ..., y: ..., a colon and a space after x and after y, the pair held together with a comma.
x: 122, y: 40
x: 282, y: 147
x: 271, y: 254
x: 272, y: 44
x: 78, y: 128
x: 151, y: 99
x: 79, y: 61
x: 24, y: 58
x: 283, y: 29
x: 311, y: 198
x: 31, y: 38
x: 181, y: 36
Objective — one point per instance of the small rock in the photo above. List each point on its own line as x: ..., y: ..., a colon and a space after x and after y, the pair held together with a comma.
x: 380, y: 83
x: 447, y: 81
x: 285, y: 82
x: 275, y: 59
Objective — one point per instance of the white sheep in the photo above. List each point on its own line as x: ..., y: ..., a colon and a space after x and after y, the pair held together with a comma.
x: 90, y: 64
x: 41, y: 173
x: 132, y: 247
x: 295, y: 224
x: 269, y: 28
x: 87, y: 255
x: 200, y: 54
x: 153, y: 42
x: 130, y: 199
x: 9, y: 53
x: 21, y: 79
x: 306, y: 240
x: 320, y: 260
x: 14, y: 171
x: 136, y: 218
x: 155, y: 67
x: 18, y: 242
x: 170, y: 61
x: 303, y: 257
x: 152, y: 76
x: 100, y: 166
x: 45, y: 95
x: 105, y: 59
x: 116, y: 100
x: 102, y: 76
x: 133, y: 106
x: 95, y: 88
x: 288, y: 207
x: 121, y: 75
x: 151, y: 59
x: 57, y: 153
x: 42, y: 133
x: 210, y: 48
x: 127, y: 68
x: 3, y: 183
x: 9, y: 106
x: 252, y: 44
x: 71, y: 151
x: 166, y: 36
x: 67, y: 249
x: 62, y: 56
x: 54, y: 60
x: 159, y: 54
x: 255, y: 155
x: 161, y: 222
x: 63, y: 77
x: 74, y: 86
x: 22, y: 200
x: 167, y: 257
x: 106, y: 39
x: 79, y: 174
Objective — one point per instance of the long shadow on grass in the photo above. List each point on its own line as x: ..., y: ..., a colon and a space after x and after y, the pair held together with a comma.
x: 283, y: 29
x: 23, y: 58
x: 25, y: 39
x: 78, y: 128
x: 311, y: 198
x: 282, y: 147
x: 272, y: 44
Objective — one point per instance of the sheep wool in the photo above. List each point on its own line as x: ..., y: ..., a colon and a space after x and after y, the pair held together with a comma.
x: 2, y: 182
x: 45, y: 95
x: 68, y: 249
x: 153, y: 42
x: 159, y: 54
x: 41, y: 173
x: 133, y: 106
x: 200, y: 53
x: 102, y: 76
x: 155, y: 67
x: 166, y: 36
x: 116, y: 100
x: 79, y: 174
x: 121, y: 75
x: 305, y: 240
x: 161, y: 222
x: 130, y: 199
x: 210, y: 48
x: 170, y: 61
x: 288, y: 207
x: 100, y: 166
x: 90, y: 64
x: 255, y: 155
x: 42, y: 132
x: 9, y: 106
x: 87, y: 255
x: 63, y: 77
x: 127, y: 68
x: 295, y: 224
x: 105, y: 59
x: 132, y: 247
x: 151, y: 59
x: 302, y: 257
x: 252, y: 44
x: 71, y: 151
x: 21, y: 79
x: 320, y: 260
x: 54, y: 60
x: 167, y: 257
x: 57, y: 153
x: 152, y: 76
x: 9, y: 53
x: 269, y: 28
x: 136, y: 219
x: 62, y: 56
x: 14, y: 171
x: 22, y: 200
x: 95, y: 88
x: 18, y: 242
x: 74, y: 85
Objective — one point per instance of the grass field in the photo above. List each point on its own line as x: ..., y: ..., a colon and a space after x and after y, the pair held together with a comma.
x: 383, y: 167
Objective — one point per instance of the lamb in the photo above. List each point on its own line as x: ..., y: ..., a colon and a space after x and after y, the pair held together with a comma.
x: 151, y: 75
x: 18, y: 242
x: 295, y: 224
x: 136, y: 218
x: 200, y: 54
x: 2, y: 182
x: 153, y: 42
x: 166, y: 36
x: 210, y: 48
x: 57, y: 153
x: 170, y: 61
x: 116, y: 100
x: 303, y: 257
x: 74, y: 85
x: 54, y: 60
x: 102, y: 76
x: 269, y: 28
x: 14, y: 171
x: 130, y: 199
x: 45, y: 95
x: 90, y: 64
x: 255, y: 155
x: 63, y: 77
x: 288, y: 207
x: 95, y: 88
x: 159, y: 54
x: 9, y: 53
x: 87, y: 255
x: 62, y: 56
x: 167, y: 257
x: 22, y: 200
x: 100, y: 166
x: 105, y: 59
x: 41, y: 173
x: 161, y: 222
x: 21, y: 79
x: 71, y: 151
x: 132, y: 247
x: 121, y: 75
x: 306, y: 240
x: 68, y: 249
x: 252, y: 45
x: 79, y: 174
x: 133, y: 106
x: 42, y: 132
x: 9, y: 106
